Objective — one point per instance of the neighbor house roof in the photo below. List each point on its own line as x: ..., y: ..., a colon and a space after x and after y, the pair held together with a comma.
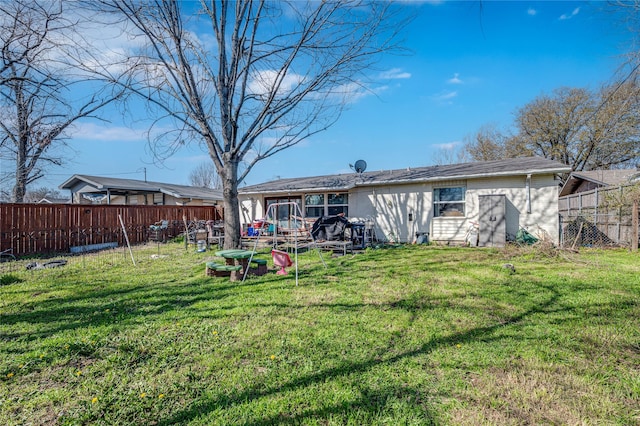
x: 53, y: 200
x: 117, y: 186
x: 598, y: 178
x: 346, y: 181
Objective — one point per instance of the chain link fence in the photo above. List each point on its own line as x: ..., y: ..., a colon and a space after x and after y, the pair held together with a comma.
x: 91, y: 264
x: 597, y: 218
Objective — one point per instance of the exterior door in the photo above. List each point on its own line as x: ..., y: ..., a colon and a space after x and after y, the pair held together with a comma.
x: 492, y: 221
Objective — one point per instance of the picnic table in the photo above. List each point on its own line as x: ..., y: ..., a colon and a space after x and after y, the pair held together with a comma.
x: 237, y: 262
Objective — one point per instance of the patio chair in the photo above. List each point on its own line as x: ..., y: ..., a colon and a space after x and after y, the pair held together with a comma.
x: 281, y: 259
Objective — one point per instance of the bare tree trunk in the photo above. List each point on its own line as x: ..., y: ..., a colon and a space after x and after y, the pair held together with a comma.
x: 20, y: 186
x: 231, y: 206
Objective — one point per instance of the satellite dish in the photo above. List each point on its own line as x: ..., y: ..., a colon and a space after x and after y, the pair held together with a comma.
x: 360, y: 166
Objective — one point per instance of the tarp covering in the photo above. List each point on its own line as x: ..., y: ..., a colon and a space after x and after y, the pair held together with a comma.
x: 330, y: 228
x: 524, y: 237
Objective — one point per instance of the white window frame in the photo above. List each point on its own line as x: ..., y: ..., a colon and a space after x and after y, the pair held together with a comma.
x: 437, y: 203
x: 327, y: 205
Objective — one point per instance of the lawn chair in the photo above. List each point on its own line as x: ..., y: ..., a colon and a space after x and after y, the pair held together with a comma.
x: 281, y: 259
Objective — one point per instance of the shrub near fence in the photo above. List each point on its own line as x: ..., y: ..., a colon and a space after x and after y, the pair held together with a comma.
x: 28, y: 229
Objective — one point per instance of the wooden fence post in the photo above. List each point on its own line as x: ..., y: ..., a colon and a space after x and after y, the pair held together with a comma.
x: 634, y: 225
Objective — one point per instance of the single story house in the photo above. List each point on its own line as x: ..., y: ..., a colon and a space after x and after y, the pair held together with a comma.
x: 587, y: 181
x: 444, y: 201
x: 107, y: 190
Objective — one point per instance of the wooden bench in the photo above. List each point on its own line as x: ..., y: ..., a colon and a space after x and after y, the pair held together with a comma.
x: 214, y: 269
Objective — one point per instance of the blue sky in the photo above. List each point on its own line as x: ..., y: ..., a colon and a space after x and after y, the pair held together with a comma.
x: 471, y: 64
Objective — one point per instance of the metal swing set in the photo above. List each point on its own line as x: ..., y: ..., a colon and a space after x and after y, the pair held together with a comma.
x: 282, y: 258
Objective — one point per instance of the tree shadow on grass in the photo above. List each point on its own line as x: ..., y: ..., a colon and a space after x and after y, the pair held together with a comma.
x: 204, y: 406
x: 103, y: 307
x: 375, y: 402
x: 9, y: 279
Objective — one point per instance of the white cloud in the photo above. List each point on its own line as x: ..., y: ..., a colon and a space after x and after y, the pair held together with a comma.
x: 352, y: 92
x: 94, y: 132
x: 263, y: 82
x: 448, y: 146
x: 445, y: 96
x: 532, y: 12
x: 455, y: 79
x: 564, y: 17
x: 394, y: 74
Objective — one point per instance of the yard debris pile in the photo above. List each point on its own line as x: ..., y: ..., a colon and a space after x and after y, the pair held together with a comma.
x: 46, y: 265
x: 582, y: 232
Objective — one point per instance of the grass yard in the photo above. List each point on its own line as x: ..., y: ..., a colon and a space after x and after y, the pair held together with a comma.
x: 413, y: 335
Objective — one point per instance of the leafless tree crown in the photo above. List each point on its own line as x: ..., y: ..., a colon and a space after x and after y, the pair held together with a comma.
x: 36, y: 101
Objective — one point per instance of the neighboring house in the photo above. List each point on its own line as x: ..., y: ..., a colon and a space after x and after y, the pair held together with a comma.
x: 105, y: 190
x: 587, y: 181
x: 501, y: 196
x: 53, y: 200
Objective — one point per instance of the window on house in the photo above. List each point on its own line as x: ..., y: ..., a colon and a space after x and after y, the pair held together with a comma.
x: 317, y: 205
x: 448, y: 202
x: 338, y: 203
x: 314, y: 205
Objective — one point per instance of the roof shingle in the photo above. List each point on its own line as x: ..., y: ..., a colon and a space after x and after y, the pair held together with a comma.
x: 346, y: 181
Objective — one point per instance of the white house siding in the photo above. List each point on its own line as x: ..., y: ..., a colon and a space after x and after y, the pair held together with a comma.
x: 251, y: 208
x: 543, y: 198
x: 389, y: 207
x: 398, y: 211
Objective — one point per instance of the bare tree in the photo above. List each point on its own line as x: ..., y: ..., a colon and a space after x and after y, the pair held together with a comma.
x: 630, y: 18
x: 249, y: 79
x: 550, y: 126
x: 37, y: 194
x: 205, y: 176
x: 583, y: 129
x: 450, y: 154
x: 490, y: 143
x: 36, y: 86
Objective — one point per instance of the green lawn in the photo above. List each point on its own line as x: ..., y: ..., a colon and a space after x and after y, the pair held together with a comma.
x: 401, y: 336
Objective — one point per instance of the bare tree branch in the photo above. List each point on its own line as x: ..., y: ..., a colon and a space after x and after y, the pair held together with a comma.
x: 36, y: 85
x: 249, y: 79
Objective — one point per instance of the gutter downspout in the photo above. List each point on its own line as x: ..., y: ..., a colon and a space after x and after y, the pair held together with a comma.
x: 528, y: 192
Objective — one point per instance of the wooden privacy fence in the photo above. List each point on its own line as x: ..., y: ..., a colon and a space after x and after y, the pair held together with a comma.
x: 28, y: 229
x: 600, y: 217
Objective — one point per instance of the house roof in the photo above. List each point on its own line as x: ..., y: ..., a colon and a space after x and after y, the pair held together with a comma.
x: 598, y: 177
x: 346, y: 181
x: 117, y: 186
x: 53, y: 200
